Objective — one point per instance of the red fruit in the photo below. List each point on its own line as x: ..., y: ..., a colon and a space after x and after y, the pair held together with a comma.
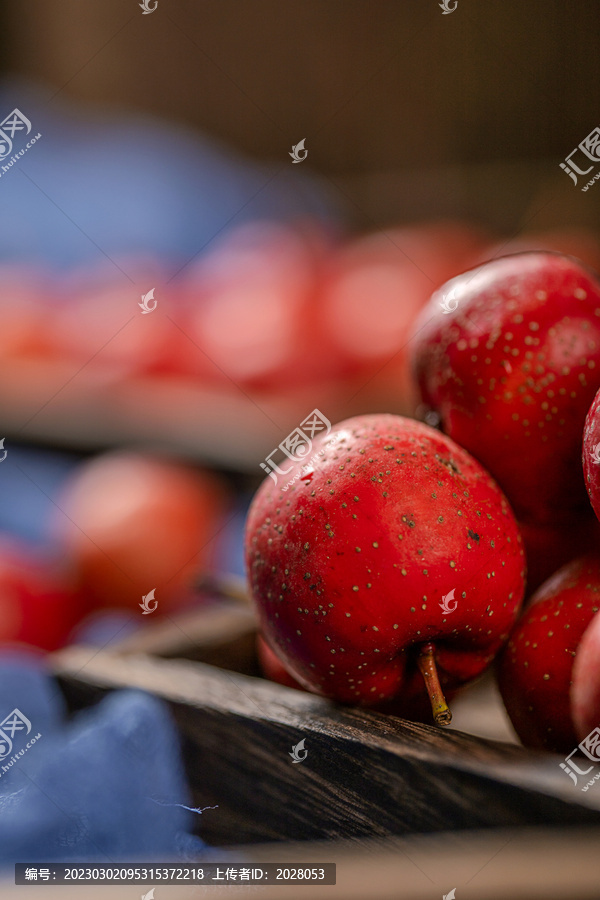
x: 585, y: 689
x: 535, y: 669
x: 373, y: 287
x: 512, y: 372
x: 38, y: 605
x: 548, y: 547
x: 103, y: 326
x: 250, y: 315
x: 591, y: 454
x: 348, y: 568
x: 24, y: 313
x: 272, y: 667
x: 133, y: 523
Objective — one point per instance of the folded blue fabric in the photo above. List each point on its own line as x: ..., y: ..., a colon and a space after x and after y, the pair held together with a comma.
x: 24, y: 684
x: 107, y: 787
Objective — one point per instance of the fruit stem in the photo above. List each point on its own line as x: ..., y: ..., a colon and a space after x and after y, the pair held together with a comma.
x: 439, y: 707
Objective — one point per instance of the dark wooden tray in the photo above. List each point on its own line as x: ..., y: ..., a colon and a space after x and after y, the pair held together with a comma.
x: 366, y: 775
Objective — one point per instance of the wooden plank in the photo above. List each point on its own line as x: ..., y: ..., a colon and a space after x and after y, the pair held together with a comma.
x: 365, y: 774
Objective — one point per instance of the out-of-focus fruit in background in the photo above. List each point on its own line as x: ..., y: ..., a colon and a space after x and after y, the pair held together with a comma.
x: 248, y: 310
x: 132, y: 523
x: 39, y: 602
x: 372, y: 288
x: 99, y: 324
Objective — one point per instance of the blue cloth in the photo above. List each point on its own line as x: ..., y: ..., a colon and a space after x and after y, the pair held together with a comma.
x: 108, y: 786
x: 24, y: 684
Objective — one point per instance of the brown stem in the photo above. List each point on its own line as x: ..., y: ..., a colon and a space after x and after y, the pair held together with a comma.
x: 439, y: 707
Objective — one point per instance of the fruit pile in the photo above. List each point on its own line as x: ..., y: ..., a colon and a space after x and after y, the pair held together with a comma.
x: 396, y: 567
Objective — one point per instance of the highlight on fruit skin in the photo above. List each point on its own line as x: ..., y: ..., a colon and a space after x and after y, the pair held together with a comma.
x: 347, y: 568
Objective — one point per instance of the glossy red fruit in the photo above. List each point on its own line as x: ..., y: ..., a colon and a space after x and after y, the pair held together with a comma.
x: 512, y: 372
x: 585, y: 689
x: 535, y: 669
x: 133, y: 523
x: 591, y: 454
x: 548, y: 547
x: 38, y: 604
x: 349, y: 566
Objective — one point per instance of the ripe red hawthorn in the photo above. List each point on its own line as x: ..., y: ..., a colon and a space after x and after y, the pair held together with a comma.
x: 348, y: 567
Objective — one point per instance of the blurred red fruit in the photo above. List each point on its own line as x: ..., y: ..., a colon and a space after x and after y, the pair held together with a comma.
x: 102, y: 324
x: 250, y: 310
x: 374, y: 287
x: 133, y: 523
x: 24, y: 313
x: 38, y: 604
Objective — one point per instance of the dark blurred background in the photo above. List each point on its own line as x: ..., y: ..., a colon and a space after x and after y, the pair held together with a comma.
x: 408, y: 112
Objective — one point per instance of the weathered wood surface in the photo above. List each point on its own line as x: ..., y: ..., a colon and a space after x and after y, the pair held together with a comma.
x: 365, y: 774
